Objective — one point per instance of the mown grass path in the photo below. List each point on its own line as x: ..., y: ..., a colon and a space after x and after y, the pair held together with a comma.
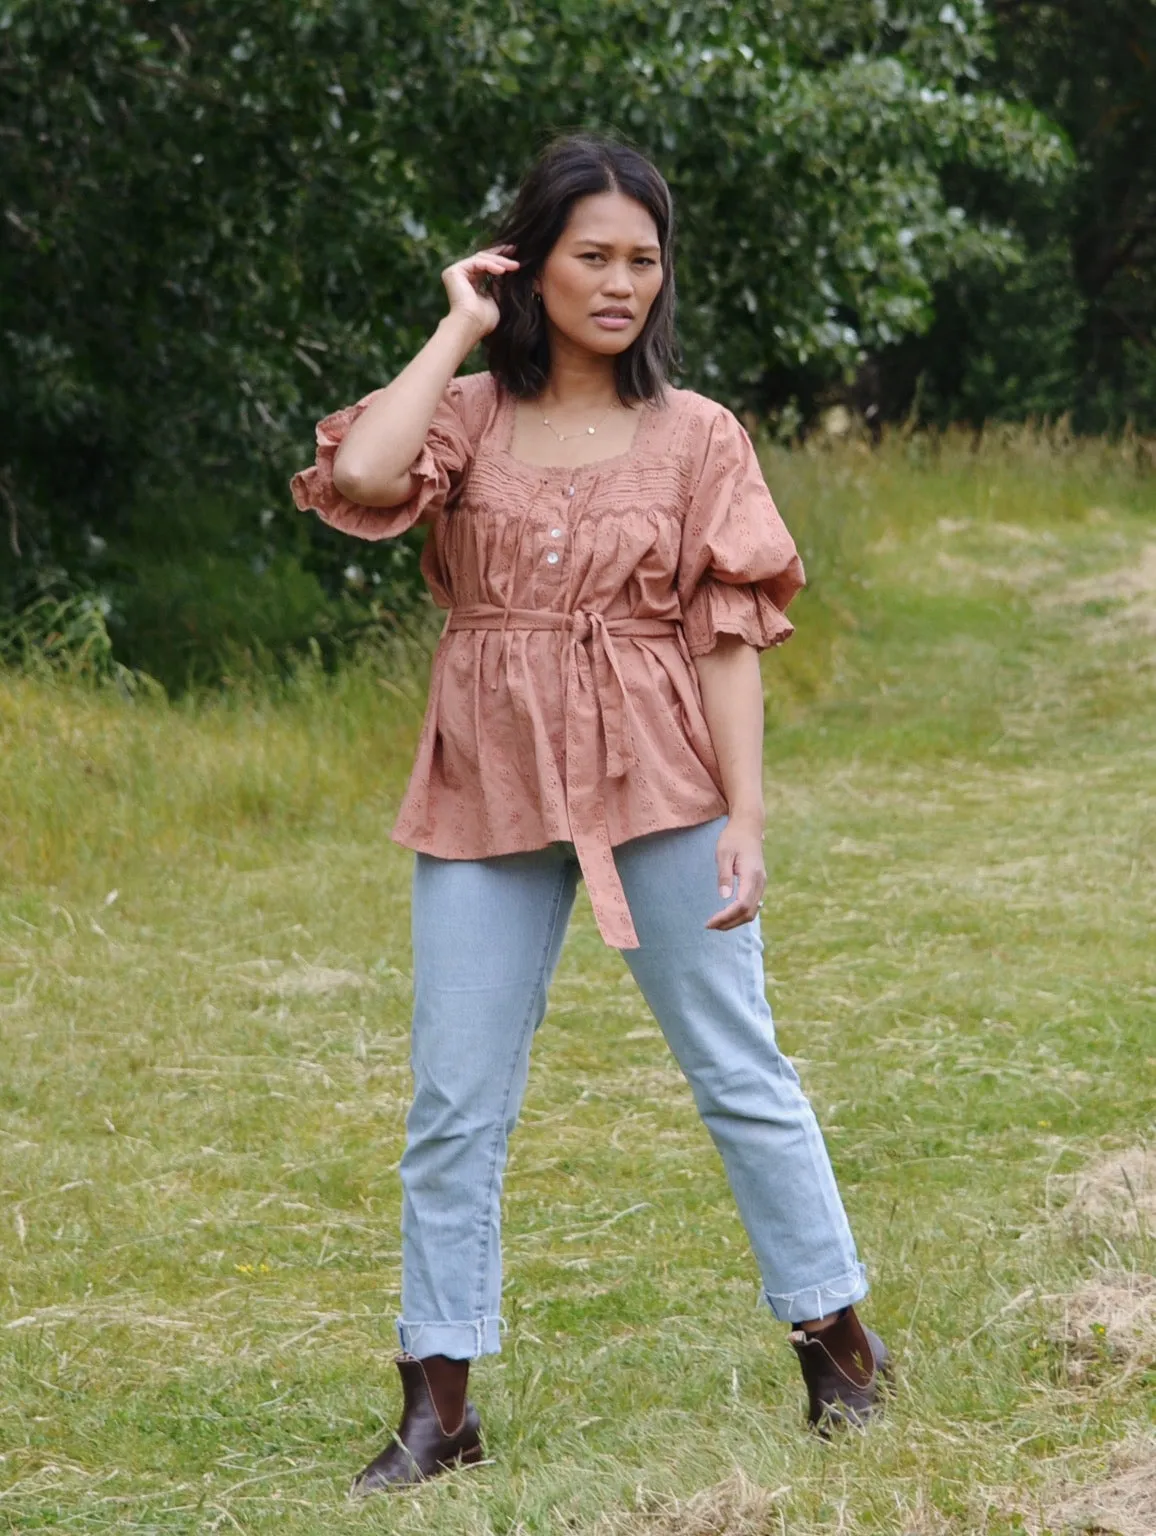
x: 204, y: 1080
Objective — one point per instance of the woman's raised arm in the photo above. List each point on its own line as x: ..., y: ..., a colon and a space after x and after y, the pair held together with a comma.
x: 372, y: 465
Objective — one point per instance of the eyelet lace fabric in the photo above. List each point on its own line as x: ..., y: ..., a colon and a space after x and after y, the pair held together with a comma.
x: 564, y: 704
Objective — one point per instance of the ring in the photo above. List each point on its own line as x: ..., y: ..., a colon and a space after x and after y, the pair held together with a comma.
x: 760, y: 906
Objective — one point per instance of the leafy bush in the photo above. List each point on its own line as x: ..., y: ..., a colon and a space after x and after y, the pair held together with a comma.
x: 64, y: 630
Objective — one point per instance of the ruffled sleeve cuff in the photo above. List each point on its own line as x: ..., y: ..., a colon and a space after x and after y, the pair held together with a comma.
x: 719, y: 608
x: 432, y: 470
x: 738, y: 565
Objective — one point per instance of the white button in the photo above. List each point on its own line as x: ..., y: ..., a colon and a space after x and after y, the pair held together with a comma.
x: 553, y: 557
x: 555, y: 533
x: 569, y: 490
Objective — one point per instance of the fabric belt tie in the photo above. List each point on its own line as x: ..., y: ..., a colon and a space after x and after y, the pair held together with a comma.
x: 597, y: 708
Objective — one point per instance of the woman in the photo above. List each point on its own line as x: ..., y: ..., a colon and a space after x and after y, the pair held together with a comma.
x: 612, y: 563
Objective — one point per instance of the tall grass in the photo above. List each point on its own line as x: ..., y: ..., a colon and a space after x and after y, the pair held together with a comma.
x: 88, y: 774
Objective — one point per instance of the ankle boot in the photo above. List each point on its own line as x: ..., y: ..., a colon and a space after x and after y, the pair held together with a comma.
x: 847, y: 1371
x: 439, y: 1429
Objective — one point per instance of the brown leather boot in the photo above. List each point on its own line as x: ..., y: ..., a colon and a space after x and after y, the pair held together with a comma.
x: 434, y: 1395
x: 847, y: 1371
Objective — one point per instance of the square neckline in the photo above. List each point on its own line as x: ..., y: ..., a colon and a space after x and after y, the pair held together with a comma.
x: 507, y: 420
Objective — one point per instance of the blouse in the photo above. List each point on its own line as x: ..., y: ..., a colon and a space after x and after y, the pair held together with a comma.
x: 563, y: 702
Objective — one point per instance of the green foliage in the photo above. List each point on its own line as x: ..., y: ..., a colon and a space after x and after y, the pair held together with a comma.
x: 65, y: 630
x: 1006, y: 346
x: 1094, y: 70
x: 222, y: 221
x: 196, y: 620
x: 1074, y: 329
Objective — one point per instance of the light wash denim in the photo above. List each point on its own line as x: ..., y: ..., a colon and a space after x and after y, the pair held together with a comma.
x: 487, y: 935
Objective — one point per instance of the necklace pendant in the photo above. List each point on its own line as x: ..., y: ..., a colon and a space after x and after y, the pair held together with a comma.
x: 565, y: 437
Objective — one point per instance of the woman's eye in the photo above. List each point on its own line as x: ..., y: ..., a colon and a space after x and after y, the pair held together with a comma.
x: 638, y: 261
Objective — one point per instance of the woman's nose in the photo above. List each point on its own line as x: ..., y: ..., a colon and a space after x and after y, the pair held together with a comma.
x: 618, y: 280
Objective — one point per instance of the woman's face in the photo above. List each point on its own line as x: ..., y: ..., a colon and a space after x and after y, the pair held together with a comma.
x: 604, y: 273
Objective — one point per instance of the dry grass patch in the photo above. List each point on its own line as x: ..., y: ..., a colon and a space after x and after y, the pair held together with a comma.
x: 1129, y: 591
x: 1135, y: 582
x: 299, y: 980
x: 734, y: 1507
x: 1117, y: 1195
x: 737, y: 1506
x: 1111, y: 1319
x: 1123, y: 1503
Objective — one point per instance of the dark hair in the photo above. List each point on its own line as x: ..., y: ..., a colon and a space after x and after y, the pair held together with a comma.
x: 575, y: 166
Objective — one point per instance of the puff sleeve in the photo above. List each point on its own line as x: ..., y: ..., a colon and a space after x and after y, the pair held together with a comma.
x: 738, y: 566
x: 437, y: 472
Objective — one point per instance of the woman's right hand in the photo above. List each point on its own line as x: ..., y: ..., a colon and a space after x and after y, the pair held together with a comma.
x: 463, y: 280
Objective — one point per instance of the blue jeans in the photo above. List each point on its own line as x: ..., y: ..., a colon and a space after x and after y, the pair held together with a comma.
x: 487, y: 934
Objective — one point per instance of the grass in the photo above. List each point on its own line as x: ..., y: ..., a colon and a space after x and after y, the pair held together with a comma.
x: 204, y: 995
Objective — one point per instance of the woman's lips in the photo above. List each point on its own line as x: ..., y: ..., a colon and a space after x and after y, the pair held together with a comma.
x: 613, y: 322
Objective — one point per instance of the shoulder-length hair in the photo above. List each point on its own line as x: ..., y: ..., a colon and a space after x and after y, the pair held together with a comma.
x: 572, y: 167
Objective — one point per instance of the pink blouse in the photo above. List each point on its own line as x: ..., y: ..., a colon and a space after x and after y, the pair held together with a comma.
x: 563, y: 702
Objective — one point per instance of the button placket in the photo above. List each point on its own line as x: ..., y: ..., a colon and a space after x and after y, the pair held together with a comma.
x: 553, y: 557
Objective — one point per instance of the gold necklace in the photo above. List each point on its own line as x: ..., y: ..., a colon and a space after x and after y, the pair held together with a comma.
x: 586, y: 431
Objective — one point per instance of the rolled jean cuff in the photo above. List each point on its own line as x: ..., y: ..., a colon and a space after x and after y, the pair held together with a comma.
x: 457, y: 1341
x: 817, y: 1301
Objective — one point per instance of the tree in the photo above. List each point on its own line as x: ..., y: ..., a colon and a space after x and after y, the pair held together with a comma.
x: 1072, y: 328
x: 222, y: 220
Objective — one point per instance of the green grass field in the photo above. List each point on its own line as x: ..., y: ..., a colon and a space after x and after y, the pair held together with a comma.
x: 204, y: 995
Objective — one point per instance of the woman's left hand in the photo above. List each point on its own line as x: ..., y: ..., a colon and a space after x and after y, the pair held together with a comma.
x: 741, y: 871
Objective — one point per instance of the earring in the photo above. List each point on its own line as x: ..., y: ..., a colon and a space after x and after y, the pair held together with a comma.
x: 537, y: 296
